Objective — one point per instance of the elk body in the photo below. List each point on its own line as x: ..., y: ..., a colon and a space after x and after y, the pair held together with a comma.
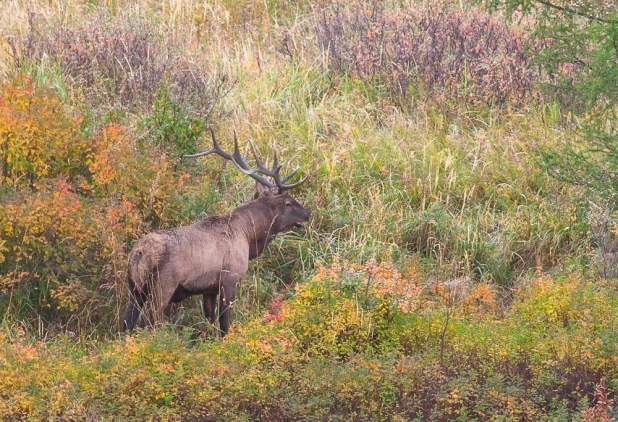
x: 211, y: 256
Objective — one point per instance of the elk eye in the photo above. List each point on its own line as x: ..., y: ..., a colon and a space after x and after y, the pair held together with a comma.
x: 288, y: 204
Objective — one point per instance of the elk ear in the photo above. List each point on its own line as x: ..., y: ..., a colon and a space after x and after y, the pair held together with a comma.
x: 260, y: 190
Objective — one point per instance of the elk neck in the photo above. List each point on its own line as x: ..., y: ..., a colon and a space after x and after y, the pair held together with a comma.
x: 256, y: 221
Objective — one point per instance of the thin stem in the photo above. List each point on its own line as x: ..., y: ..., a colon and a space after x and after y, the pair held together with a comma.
x: 575, y: 12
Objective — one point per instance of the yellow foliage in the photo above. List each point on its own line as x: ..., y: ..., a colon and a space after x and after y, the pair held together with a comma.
x: 38, y: 138
x: 75, y: 201
x: 381, y: 280
x: 143, y: 180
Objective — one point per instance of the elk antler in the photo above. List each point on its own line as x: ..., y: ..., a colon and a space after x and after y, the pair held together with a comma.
x: 241, y: 164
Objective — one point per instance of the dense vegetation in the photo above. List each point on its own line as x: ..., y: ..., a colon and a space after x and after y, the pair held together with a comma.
x: 459, y: 258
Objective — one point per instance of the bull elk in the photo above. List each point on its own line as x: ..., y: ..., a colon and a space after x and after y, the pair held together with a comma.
x: 211, y: 256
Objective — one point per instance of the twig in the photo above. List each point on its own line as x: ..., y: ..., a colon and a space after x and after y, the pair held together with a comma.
x: 575, y: 12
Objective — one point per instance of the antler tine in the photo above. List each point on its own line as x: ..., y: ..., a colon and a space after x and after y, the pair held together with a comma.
x: 256, y: 156
x: 274, y: 171
x: 263, y: 168
x: 289, y: 176
x: 283, y: 187
x: 276, y: 165
x: 238, y: 160
x: 216, y: 148
x: 241, y: 164
x: 281, y: 182
x: 246, y: 156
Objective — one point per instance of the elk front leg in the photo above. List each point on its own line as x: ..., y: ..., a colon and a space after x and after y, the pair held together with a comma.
x: 227, y: 295
x: 209, y: 304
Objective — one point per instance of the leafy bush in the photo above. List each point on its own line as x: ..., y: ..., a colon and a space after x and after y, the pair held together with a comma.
x: 38, y: 138
x: 172, y: 126
x: 343, y: 312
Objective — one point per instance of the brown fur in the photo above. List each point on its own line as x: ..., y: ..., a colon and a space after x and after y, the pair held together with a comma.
x: 209, y: 257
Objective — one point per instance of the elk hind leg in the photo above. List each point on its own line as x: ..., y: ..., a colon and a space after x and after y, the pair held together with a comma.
x: 136, y: 302
x: 159, y: 294
x: 227, y: 295
x: 134, y: 308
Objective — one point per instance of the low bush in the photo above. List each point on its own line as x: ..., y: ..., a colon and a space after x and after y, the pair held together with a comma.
x: 38, y: 138
x: 362, y: 342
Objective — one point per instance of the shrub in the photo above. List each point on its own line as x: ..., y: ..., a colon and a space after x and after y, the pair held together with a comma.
x: 142, y: 177
x: 342, y: 312
x: 118, y: 62
x: 446, y: 55
x: 172, y: 126
x: 72, y: 205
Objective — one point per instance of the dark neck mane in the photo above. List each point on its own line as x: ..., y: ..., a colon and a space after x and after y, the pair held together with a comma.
x: 256, y: 221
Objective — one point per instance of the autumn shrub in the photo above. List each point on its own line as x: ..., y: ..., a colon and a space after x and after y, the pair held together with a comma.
x: 144, y: 179
x: 117, y: 61
x: 343, y: 311
x: 52, y: 238
x: 427, y: 50
x: 548, y: 356
x: 38, y: 138
x: 71, y: 207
